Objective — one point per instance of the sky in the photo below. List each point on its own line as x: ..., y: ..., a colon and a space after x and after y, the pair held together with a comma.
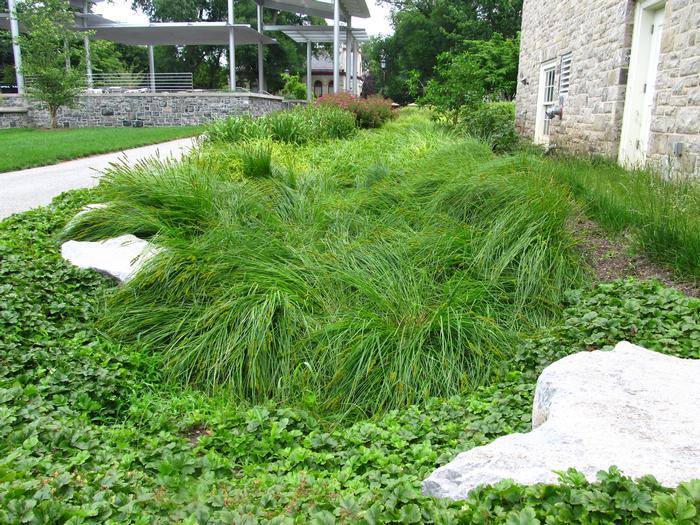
x: 120, y: 11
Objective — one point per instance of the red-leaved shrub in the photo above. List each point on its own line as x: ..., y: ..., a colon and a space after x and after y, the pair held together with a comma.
x: 370, y: 112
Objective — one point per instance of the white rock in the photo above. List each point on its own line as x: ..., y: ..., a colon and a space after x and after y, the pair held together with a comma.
x: 630, y: 407
x: 120, y: 257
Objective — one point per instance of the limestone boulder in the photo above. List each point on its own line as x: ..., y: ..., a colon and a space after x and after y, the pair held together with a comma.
x: 630, y: 407
x: 120, y: 257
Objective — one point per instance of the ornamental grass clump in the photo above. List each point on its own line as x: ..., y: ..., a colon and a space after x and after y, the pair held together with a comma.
x: 382, y: 270
x: 300, y: 125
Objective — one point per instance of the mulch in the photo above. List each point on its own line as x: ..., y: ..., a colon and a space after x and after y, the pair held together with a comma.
x: 611, y: 258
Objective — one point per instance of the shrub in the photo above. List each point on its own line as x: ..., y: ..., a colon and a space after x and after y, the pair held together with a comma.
x: 481, y: 70
x: 493, y: 122
x: 293, y: 87
x: 371, y: 112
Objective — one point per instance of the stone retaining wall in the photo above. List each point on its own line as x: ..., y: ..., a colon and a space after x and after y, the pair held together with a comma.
x: 141, y: 109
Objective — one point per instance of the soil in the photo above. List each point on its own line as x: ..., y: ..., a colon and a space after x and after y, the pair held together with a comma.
x: 194, y: 434
x: 610, y: 258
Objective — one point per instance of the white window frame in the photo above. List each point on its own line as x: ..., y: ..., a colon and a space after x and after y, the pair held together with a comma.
x: 546, y: 98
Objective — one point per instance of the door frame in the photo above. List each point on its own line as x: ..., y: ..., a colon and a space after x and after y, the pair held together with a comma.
x: 631, y: 136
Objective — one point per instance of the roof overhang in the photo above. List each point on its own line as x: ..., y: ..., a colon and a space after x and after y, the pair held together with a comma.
x: 320, y: 8
x: 178, y: 34
x: 303, y: 34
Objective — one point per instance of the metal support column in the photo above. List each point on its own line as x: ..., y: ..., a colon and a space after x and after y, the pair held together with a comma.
x: 336, y: 45
x: 231, y: 48
x: 14, y: 32
x: 152, y: 68
x: 348, y: 45
x: 261, y: 75
x: 354, y: 67
x: 86, y: 45
x: 308, y: 70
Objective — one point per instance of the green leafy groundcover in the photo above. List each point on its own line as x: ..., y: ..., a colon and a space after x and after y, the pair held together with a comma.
x: 89, y: 435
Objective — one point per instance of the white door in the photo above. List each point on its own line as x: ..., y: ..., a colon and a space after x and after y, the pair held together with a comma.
x: 545, y: 100
x: 641, y: 85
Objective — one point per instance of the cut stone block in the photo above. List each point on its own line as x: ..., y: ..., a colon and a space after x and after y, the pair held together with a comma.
x: 630, y: 407
x: 120, y: 257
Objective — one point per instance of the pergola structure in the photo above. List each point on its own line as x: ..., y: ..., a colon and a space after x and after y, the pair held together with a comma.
x: 217, y: 33
x: 320, y: 34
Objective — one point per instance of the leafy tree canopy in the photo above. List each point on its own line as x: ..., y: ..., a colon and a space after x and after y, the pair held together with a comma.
x: 479, y: 70
x: 425, y: 29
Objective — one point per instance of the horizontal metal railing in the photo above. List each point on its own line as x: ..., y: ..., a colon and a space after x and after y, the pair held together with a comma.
x: 143, y: 81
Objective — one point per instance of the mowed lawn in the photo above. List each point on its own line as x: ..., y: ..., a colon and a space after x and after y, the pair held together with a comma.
x: 26, y: 148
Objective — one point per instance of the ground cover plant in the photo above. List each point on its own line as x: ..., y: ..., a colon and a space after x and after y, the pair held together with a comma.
x: 26, y: 148
x: 338, y: 272
x: 89, y: 432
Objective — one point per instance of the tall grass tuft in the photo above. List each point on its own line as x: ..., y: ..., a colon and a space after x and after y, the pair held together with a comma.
x: 299, y: 125
x: 256, y: 159
x: 661, y: 214
x: 369, y: 274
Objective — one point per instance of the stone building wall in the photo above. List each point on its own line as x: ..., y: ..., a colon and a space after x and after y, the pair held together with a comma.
x: 147, y: 110
x: 676, y: 116
x: 598, y: 33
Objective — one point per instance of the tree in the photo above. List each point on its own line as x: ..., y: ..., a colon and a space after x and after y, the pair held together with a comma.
x: 424, y: 29
x: 293, y: 87
x: 480, y: 70
x: 46, y: 48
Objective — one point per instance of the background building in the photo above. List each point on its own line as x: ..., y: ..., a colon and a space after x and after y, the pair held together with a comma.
x: 619, y: 78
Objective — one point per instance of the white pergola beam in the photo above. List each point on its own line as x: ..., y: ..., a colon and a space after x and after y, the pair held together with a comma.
x: 16, y: 51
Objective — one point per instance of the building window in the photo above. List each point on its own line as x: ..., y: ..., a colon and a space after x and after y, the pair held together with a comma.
x: 318, y: 88
x: 565, y: 75
x: 548, y: 101
x: 330, y: 87
x: 545, y: 100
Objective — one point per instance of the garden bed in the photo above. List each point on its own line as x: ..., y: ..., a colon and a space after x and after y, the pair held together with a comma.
x: 96, y: 426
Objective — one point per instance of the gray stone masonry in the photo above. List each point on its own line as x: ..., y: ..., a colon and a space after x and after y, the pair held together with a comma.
x: 140, y: 109
x: 598, y: 33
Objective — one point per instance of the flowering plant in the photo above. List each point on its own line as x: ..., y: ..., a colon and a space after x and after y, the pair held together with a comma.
x: 370, y: 112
